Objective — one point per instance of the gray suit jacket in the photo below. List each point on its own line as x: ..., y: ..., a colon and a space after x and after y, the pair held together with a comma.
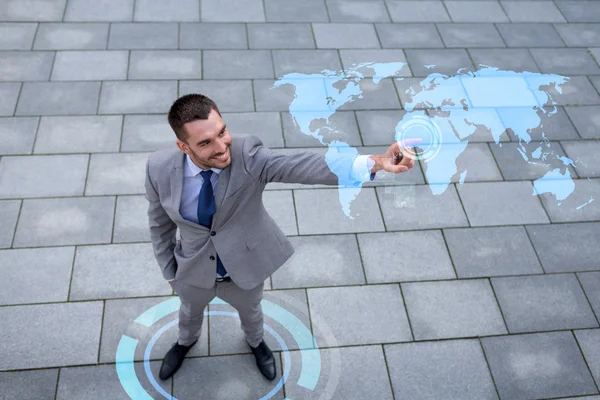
x: 248, y: 241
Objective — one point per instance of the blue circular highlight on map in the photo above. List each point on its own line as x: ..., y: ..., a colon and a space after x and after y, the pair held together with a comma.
x: 420, y: 127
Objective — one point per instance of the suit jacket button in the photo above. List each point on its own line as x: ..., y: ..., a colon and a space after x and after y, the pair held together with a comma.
x: 213, y: 233
x: 212, y: 257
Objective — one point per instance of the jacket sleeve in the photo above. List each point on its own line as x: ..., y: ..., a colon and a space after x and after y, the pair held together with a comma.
x: 266, y: 165
x: 162, y: 231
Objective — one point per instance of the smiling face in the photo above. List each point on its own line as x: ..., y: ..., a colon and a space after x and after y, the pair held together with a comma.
x: 207, y: 142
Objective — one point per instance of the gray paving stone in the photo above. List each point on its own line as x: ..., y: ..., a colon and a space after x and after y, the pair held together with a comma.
x: 447, y: 61
x: 280, y: 36
x: 581, y: 398
x: 530, y: 35
x: 377, y: 96
x: 131, y: 220
x: 166, y: 11
x: 577, y: 91
x: 90, y: 65
x: 203, y: 378
x: 9, y: 212
x: 586, y: 120
x: 484, y: 252
x: 213, y: 36
x: 475, y: 11
x: 590, y: 281
x: 339, y: 126
x: 268, y: 98
x: 237, y: 64
x: 320, y: 211
x: 517, y: 60
x: 25, y: 66
x: 361, y: 314
x: 81, y: 134
x: 583, y: 151
x: 553, y: 126
x: 58, y: 98
x: 227, y: 337
x: 580, y: 11
x: 595, y: 81
x: 280, y: 205
x: 454, y: 369
x: 559, y: 254
x: 147, y: 133
x: 588, y: 340
x: 364, y: 374
x: 230, y: 95
x: 32, y: 10
x: 75, y: 36
x: 78, y: 343
x: 476, y: 161
x: 65, y: 221
x: 9, y: 93
x: 137, y: 97
x: 430, y: 211
x: 29, y: 385
x: 452, y: 309
x: 165, y: 64
x: 99, y: 10
x: 470, y: 35
x: 23, y: 271
x: 537, y: 366
x: 515, y: 167
x: 101, y: 381
x: 144, y: 35
x: 378, y: 127
x: 578, y: 35
x: 307, y: 268
x: 543, y: 303
x: 345, y: 35
x: 232, y: 11
x: 17, y: 135
x: 357, y: 11
x: 572, y: 209
x: 417, y: 11
x: 294, y: 11
x: 265, y: 125
x: 305, y: 61
x: 119, y: 320
x: 121, y: 270
x: 17, y: 36
x: 501, y: 203
x: 417, y: 35
x: 565, y: 61
x: 120, y: 173
x: 532, y: 11
x: 62, y: 175
x: 351, y: 59
x: 428, y: 258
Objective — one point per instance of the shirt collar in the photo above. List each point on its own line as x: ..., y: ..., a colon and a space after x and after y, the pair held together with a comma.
x: 193, y: 170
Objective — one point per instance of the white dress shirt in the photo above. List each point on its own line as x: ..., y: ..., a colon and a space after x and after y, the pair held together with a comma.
x: 193, y: 180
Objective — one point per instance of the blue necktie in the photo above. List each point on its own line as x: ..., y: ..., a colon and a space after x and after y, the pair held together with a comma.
x: 206, y: 209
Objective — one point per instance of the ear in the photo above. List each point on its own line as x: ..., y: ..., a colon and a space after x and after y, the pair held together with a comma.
x: 182, y: 146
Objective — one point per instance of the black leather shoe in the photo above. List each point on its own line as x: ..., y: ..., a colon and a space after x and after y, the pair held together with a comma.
x: 265, y: 360
x: 173, y: 360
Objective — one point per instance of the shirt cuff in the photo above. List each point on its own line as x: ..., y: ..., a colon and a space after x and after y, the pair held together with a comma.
x: 361, y: 168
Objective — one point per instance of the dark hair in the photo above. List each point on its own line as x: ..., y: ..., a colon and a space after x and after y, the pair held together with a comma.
x: 188, y: 108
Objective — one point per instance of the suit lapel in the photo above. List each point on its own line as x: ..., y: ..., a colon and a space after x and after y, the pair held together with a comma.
x: 177, y: 185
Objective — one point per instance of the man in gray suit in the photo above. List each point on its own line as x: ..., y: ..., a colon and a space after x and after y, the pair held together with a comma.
x: 211, y: 187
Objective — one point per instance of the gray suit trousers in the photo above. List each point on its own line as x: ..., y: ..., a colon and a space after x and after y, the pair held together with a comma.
x: 194, y: 300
